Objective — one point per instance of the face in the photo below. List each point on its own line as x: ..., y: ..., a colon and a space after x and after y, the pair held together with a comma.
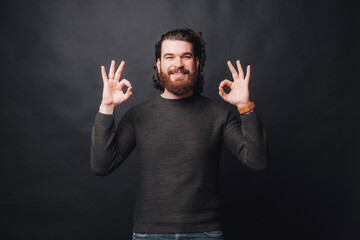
x: 177, y: 66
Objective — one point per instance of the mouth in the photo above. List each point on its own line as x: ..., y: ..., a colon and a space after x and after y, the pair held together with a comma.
x: 179, y: 74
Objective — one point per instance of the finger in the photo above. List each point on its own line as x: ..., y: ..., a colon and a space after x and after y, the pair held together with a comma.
x: 248, y: 70
x: 119, y: 71
x: 222, y: 93
x: 232, y: 70
x: 103, y: 73
x: 241, y: 72
x: 226, y: 82
x: 124, y: 83
x: 112, y: 69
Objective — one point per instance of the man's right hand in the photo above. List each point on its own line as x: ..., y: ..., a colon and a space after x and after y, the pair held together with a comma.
x: 112, y: 92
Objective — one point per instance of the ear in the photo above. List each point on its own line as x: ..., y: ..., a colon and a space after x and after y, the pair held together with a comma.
x: 197, y: 63
x: 158, y: 65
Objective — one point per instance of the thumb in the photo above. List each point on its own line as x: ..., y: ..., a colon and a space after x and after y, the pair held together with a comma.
x: 128, y: 92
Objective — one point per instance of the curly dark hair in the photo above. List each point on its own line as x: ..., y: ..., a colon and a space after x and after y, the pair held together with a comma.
x: 188, y: 35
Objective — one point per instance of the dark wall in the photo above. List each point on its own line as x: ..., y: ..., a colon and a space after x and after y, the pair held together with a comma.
x: 304, y: 82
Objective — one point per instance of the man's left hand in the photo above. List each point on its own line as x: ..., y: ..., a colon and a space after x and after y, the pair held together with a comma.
x: 239, y: 88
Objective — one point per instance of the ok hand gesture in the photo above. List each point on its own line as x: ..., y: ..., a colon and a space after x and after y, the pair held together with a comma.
x: 239, y: 93
x: 112, y: 92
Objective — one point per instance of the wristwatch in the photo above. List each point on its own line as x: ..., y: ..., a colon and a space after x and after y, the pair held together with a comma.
x: 247, y: 108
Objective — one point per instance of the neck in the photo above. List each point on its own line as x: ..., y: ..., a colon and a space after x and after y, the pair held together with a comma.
x: 170, y: 95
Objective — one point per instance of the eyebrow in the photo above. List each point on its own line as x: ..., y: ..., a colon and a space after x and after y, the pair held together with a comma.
x: 171, y: 54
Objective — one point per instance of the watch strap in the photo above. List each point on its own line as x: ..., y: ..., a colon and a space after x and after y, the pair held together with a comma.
x: 247, y: 108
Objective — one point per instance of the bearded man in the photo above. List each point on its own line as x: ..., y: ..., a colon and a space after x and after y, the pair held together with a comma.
x: 178, y: 135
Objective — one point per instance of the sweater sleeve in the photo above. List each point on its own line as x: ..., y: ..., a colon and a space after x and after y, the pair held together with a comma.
x: 246, y: 139
x: 110, y: 147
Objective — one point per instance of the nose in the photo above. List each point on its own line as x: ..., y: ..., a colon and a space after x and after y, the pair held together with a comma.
x: 178, y: 62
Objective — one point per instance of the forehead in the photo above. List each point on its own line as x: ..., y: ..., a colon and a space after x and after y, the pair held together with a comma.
x: 175, y: 47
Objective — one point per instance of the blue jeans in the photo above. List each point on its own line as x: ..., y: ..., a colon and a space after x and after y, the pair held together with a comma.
x: 216, y: 234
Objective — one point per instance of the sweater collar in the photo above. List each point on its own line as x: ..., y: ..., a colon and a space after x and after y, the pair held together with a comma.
x: 177, y: 101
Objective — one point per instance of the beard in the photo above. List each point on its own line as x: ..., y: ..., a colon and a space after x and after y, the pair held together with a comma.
x: 180, y: 85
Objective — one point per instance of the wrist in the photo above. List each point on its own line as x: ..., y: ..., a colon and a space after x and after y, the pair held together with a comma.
x: 243, y: 104
x: 106, y: 108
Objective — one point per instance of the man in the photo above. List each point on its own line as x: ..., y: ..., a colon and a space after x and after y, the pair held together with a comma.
x: 178, y: 135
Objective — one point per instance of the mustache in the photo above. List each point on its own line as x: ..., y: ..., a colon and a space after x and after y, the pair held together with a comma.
x: 178, y: 70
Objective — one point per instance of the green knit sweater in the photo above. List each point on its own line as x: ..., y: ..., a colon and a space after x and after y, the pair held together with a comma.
x: 179, y: 144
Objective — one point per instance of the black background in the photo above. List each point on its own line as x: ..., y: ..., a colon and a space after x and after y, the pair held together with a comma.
x: 304, y: 81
